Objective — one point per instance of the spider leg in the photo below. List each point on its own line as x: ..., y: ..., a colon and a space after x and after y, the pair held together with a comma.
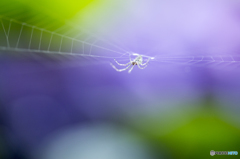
x: 130, y: 58
x: 146, y: 62
x: 131, y: 69
x: 142, y: 67
x: 119, y: 70
x: 122, y: 64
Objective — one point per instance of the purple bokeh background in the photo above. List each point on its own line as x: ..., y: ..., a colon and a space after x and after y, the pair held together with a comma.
x: 169, y: 27
x: 41, y: 94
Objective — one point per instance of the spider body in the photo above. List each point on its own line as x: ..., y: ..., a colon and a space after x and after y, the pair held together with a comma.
x: 134, y: 63
x: 137, y: 61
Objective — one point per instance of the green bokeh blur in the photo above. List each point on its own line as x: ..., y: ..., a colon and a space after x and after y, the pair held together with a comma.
x: 191, y: 131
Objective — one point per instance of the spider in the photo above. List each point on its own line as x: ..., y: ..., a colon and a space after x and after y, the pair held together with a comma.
x: 137, y: 61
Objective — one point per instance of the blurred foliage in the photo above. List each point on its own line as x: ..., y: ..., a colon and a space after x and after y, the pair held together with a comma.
x: 48, y: 14
x: 54, y: 8
x: 57, y: 8
x: 189, y: 132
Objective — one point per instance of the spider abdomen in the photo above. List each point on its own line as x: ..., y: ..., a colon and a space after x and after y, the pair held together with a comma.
x: 134, y: 63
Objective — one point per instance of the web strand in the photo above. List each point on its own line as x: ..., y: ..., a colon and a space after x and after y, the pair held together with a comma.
x: 8, y: 45
x: 40, y: 40
x: 19, y: 36
x: 222, y: 61
x: 31, y: 38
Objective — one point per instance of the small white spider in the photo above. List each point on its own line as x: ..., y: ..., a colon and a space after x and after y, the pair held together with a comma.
x: 137, y: 61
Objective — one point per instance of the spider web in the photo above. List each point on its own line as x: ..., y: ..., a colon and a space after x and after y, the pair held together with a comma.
x: 23, y: 37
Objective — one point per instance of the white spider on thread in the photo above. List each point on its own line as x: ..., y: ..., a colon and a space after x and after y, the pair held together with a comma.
x: 137, y: 61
